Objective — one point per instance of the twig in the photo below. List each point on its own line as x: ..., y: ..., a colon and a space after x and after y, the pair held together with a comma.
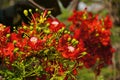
x: 73, y: 5
x: 40, y: 7
x: 95, y: 77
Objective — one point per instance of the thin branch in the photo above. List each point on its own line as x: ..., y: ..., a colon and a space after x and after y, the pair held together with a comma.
x: 40, y: 7
x: 73, y: 5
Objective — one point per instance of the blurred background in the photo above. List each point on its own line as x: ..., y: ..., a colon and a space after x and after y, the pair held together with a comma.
x: 101, y: 7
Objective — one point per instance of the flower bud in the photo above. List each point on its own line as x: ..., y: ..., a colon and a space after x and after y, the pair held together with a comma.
x: 84, y: 53
x: 61, y: 30
x: 14, y: 42
x: 45, y: 59
x: 8, y: 35
x: 76, y: 42
x: 25, y: 12
x: 31, y: 23
x: 30, y: 10
x: 65, y: 31
x: 56, y: 42
x: 15, y: 50
x: 96, y: 34
x: 103, y: 29
x: 47, y: 31
x: 21, y: 52
x: 14, y: 27
x: 73, y: 40
x: 38, y: 28
x: 36, y: 9
x: 25, y: 27
x: 84, y: 16
x: 68, y: 32
x: 48, y: 24
x: 49, y: 12
x: 4, y: 26
x: 46, y: 51
x: 31, y: 27
x: 48, y: 63
x: 69, y: 39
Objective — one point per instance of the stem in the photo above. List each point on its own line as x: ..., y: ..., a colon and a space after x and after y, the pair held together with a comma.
x: 40, y: 7
x: 95, y: 77
x: 114, y: 67
x: 35, y: 4
x: 30, y: 73
x: 24, y: 72
x: 73, y: 77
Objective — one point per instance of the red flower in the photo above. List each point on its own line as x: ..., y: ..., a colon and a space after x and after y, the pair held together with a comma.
x: 35, y: 43
x: 6, y: 30
x: 21, y: 44
x: 95, y: 37
x: 105, y: 54
x: 107, y: 22
x: 36, y: 15
x: 77, y: 34
x: 74, y: 71
x: 32, y: 42
x: 8, y: 51
x: 3, y: 41
x: 87, y: 43
x: 66, y: 48
x: 88, y: 60
x: 61, y: 70
x: 55, y: 25
x: 14, y: 37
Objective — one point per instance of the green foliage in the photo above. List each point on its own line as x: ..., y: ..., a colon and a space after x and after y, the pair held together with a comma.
x: 115, y: 34
x: 85, y: 74
x: 26, y: 68
x: 65, y: 12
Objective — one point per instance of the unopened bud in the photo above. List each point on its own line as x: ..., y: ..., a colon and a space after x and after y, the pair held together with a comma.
x: 84, y: 16
x: 48, y: 24
x: 15, y: 50
x: 8, y: 35
x: 69, y: 39
x: 65, y: 31
x: 49, y: 12
x: 30, y: 10
x: 84, y: 53
x: 31, y: 24
x: 76, y: 42
x: 38, y: 28
x: 25, y: 12
x: 62, y: 28
x: 47, y: 31
x: 31, y: 27
x: 96, y: 34
x: 73, y: 40
x: 68, y: 32
x: 46, y: 51
x: 25, y: 27
x: 36, y: 9
x: 14, y: 42
x: 103, y: 29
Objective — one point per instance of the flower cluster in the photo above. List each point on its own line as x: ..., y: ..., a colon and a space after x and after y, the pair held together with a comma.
x: 95, y: 35
x: 46, y: 49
